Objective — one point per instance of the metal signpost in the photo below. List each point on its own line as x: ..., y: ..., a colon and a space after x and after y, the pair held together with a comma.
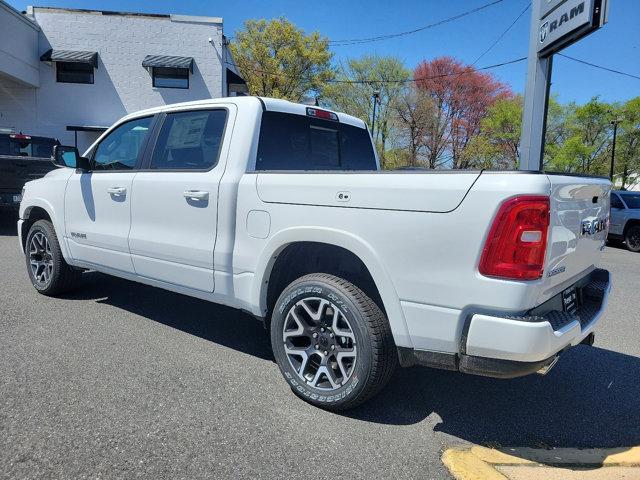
x: 555, y: 24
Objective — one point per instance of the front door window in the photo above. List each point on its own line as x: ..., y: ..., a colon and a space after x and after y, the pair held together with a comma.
x: 121, y: 148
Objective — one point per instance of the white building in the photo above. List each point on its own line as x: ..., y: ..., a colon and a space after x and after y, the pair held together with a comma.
x: 632, y: 184
x: 69, y: 73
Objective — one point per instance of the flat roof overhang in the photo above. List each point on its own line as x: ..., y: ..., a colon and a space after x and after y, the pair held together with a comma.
x: 70, y: 56
x: 168, y: 61
x: 85, y: 128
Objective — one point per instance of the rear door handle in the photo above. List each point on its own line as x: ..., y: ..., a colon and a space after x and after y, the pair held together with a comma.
x: 195, y: 195
x: 116, y: 190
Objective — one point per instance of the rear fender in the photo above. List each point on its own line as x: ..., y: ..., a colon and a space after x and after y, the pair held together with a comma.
x: 350, y: 242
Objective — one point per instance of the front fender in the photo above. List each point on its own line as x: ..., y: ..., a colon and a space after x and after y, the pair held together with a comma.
x: 356, y: 245
x: 27, y: 206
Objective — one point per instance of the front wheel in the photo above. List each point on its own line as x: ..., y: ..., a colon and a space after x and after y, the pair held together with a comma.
x: 632, y: 238
x: 48, y: 271
x: 332, y: 342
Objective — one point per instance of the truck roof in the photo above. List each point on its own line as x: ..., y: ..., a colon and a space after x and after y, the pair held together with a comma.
x: 269, y: 104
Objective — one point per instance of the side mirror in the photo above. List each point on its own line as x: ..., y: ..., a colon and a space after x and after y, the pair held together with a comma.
x: 64, y: 156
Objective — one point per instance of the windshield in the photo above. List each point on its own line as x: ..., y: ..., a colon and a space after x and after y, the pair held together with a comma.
x: 631, y: 199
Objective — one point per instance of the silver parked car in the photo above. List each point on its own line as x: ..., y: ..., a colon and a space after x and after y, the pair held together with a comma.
x: 624, y: 222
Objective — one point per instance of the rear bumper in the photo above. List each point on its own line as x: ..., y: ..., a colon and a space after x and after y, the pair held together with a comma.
x: 537, y: 337
x: 507, y: 346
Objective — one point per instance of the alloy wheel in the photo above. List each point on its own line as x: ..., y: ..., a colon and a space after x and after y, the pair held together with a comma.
x: 319, y: 343
x: 40, y: 258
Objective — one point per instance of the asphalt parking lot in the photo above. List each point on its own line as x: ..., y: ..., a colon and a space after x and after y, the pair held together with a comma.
x: 121, y: 380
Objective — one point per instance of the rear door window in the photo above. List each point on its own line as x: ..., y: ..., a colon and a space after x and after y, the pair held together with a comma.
x: 298, y: 142
x: 632, y: 200
x: 189, y: 140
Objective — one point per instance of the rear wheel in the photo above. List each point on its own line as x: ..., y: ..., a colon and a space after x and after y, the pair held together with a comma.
x: 332, y: 342
x: 48, y: 271
x: 632, y: 238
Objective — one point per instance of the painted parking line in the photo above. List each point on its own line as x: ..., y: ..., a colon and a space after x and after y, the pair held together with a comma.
x: 482, y: 463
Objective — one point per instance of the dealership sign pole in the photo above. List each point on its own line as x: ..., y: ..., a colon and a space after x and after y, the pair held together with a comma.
x: 555, y: 24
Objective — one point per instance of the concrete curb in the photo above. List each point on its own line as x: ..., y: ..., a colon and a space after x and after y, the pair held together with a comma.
x: 476, y: 462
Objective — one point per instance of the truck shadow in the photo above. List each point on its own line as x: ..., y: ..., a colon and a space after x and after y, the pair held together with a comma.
x: 590, y: 399
x: 219, y: 324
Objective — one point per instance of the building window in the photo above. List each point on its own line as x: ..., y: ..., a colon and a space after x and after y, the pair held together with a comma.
x: 164, y: 77
x: 71, y: 72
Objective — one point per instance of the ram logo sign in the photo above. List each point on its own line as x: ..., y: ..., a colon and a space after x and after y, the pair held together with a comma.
x: 549, y: 27
x: 564, y: 22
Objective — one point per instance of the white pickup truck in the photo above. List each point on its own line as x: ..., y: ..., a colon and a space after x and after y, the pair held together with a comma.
x: 282, y: 210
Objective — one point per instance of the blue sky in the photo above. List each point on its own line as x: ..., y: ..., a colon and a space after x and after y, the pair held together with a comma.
x: 616, y: 46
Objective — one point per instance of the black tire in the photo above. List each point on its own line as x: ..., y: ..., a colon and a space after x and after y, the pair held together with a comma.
x: 376, y: 358
x: 632, y: 238
x: 62, y: 277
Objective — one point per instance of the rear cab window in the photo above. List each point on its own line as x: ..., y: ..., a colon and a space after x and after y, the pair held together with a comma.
x: 18, y: 145
x: 298, y: 142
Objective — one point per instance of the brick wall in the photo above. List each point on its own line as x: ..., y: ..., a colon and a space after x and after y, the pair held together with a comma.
x: 121, y: 85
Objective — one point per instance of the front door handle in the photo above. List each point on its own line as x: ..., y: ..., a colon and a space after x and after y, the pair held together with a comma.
x: 116, y: 190
x: 195, y: 195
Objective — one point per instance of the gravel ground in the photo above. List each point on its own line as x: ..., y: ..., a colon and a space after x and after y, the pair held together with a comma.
x: 121, y: 380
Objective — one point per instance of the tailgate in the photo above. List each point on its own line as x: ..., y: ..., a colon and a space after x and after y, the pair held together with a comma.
x: 16, y: 171
x: 578, y: 229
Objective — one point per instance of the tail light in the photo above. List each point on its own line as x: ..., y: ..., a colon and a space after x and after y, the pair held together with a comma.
x: 517, y: 243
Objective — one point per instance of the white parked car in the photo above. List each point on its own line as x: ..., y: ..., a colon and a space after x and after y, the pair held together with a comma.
x: 282, y: 210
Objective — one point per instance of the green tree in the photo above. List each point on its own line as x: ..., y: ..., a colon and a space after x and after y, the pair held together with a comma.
x: 627, y: 160
x: 497, y: 144
x: 371, y: 74
x: 279, y: 60
x: 584, y: 140
x: 556, y: 131
x: 481, y: 152
x: 413, y: 111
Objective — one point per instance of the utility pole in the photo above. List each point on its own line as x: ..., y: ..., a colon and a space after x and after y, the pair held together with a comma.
x: 555, y: 24
x: 615, y: 123
x: 375, y: 97
x: 536, y: 98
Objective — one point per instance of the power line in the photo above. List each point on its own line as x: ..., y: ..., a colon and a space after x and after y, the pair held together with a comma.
x: 468, y: 70
x: 355, y: 41
x: 497, y: 40
x: 637, y: 77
